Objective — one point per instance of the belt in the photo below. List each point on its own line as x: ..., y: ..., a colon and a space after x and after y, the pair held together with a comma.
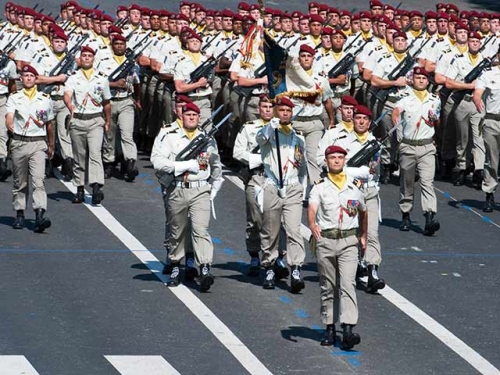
x: 190, y: 185
x: 89, y: 116
x: 121, y: 99
x: 307, y: 118
x: 198, y: 98
x: 3, y: 95
x: 492, y: 116
x: 57, y: 97
x: 25, y: 138
x: 417, y: 142
x: 336, y: 234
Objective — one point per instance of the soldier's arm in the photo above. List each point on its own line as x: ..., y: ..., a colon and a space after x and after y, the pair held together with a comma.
x: 107, y: 114
x: 312, y: 209
x: 183, y: 87
x: 51, y: 138
x: 396, y: 116
x: 50, y: 80
x: 246, y: 82
x: 477, y: 98
x: 363, y: 223
x: 224, y: 63
x: 455, y: 85
x: 9, y: 121
x: 68, y: 96
x: 439, y: 78
x: 329, y: 110
x: 340, y: 80
x: 12, y: 86
x: 379, y: 82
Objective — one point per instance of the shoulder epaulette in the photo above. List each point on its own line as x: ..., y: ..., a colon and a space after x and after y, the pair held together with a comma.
x: 357, y: 183
x: 46, y: 95
x: 102, y: 74
x: 387, y: 55
x: 253, y: 122
x: 434, y: 96
x: 319, y: 181
x: 378, y: 48
x: 459, y: 55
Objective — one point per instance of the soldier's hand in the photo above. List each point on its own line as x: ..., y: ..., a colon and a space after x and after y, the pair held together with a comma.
x: 316, y: 231
x: 10, y: 128
x: 203, y: 82
x: 400, y: 82
x: 121, y: 83
x: 362, y: 243
x: 137, y: 103
x: 106, y: 126
x: 50, y: 152
x: 61, y: 78
x: 275, y: 122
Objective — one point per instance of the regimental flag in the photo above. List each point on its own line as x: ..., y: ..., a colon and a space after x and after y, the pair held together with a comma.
x: 276, y: 57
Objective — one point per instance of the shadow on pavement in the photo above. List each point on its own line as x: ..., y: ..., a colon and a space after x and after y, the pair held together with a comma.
x: 61, y: 195
x: 294, y: 332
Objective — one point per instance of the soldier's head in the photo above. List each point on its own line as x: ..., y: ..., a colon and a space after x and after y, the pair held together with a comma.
x: 376, y: 7
x: 209, y: 20
x: 306, y: 56
x: 46, y: 22
x: 29, y: 18
x: 333, y: 16
x: 326, y: 37
x: 193, y: 42
x: 362, y: 119
x: 255, y: 11
x: 315, y: 24
x: 284, y: 110
x: 338, y: 40
x: 218, y: 21
x: 87, y: 55
x: 227, y: 20
x: 420, y: 79
x: 59, y: 41
x: 154, y: 19
x: 461, y: 33
x: 200, y: 15
x: 28, y: 76
x: 335, y: 159
x: 248, y: 22
x: 345, y: 19
x: 238, y: 24
x: 106, y: 22
x: 121, y: 12
x: 180, y: 103
x: 365, y: 21
x: 164, y: 20
x: 190, y: 116
x: 382, y: 23
x: 389, y: 11
x: 146, y: 19
x: 495, y: 23
x: 286, y: 23
x: 443, y: 21
x: 474, y: 42
x: 304, y: 25
x: 347, y: 107
x: 185, y: 8
x: 266, y: 107
x: 119, y: 45
x: 431, y: 22
x: 400, y: 42
x: 390, y: 30
x: 417, y: 20
x: 135, y: 14
x: 484, y: 22
x: 355, y: 23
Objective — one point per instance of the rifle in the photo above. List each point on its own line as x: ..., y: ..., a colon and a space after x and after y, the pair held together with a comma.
x: 126, y: 66
x: 369, y: 149
x: 8, y: 49
x: 346, y: 62
x: 121, y: 21
x: 401, y: 70
x: 354, y: 40
x: 204, y: 48
x: 206, y: 69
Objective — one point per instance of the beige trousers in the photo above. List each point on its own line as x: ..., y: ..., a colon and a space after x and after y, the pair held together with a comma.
x: 312, y: 131
x: 122, y: 117
x: 60, y: 113
x: 373, y: 253
x: 491, y: 135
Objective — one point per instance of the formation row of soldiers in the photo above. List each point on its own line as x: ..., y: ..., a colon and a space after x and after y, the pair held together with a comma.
x: 151, y: 80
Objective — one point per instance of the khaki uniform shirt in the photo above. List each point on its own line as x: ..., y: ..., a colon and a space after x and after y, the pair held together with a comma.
x: 30, y: 116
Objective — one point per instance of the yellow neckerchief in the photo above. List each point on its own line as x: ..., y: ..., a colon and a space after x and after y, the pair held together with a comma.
x: 119, y: 59
x: 390, y: 48
x: 87, y: 73
x: 453, y: 42
x: 349, y: 125
x: 316, y: 39
x: 325, y: 52
x: 106, y: 40
x: 30, y: 93
x: 421, y: 95
x: 163, y: 33
x: 399, y: 56
x: 179, y: 123
x: 190, y: 133
x: 46, y: 40
x: 415, y: 33
x: 484, y: 35
x: 462, y: 49
x: 286, y: 128
x: 227, y: 34
x: 194, y: 56
x: 59, y: 56
x: 382, y: 41
x: 339, y: 179
x: 337, y: 55
x: 362, y: 138
x: 442, y: 35
x: 473, y: 59
x: 367, y: 35
x: 347, y: 32
x: 309, y: 72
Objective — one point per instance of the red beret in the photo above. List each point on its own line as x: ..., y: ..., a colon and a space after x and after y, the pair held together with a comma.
x: 30, y: 69
x: 355, y: 17
x: 307, y: 48
x: 376, y: 3
x: 227, y: 13
x: 182, y: 99
x: 339, y: 32
x: 264, y: 98
x: 59, y: 35
x: 326, y: 8
x: 249, y: 18
x: 200, y: 8
x: 399, y: 34
x: 484, y: 15
x: 475, y: 35
x: 243, y: 6
x: 421, y: 71
x: 495, y: 16
x: 268, y: 10
x: 349, y: 100
x: 183, y: 17
x: 113, y: 29
x: 454, y: 18
x: 384, y: 19
x: 389, y: 7
x: 416, y: 13
x: 121, y: 8
x: 327, y: 30
x: 145, y: 11
x: 154, y: 12
x: 362, y: 110
x: 365, y: 14
x: 135, y: 7
x: 440, y: 6
x: 335, y: 150
x: 166, y: 13
x: 313, y: 5
x: 55, y: 28
x: 452, y: 6
x: 286, y: 16
x: 276, y: 13
x: 474, y: 14
x: 119, y: 37
x: 285, y: 101
x: 238, y: 17
x: 296, y: 14
x: 344, y: 12
x: 71, y: 3
x: 464, y: 14
x: 443, y: 16
x: 107, y: 17
x: 255, y: 7
x: 194, y: 35
x: 461, y: 26
x: 392, y: 26
x: 184, y: 4
x: 316, y: 18
x: 38, y: 17
x: 87, y: 49
x: 431, y: 15
x: 191, y: 107
x: 29, y: 12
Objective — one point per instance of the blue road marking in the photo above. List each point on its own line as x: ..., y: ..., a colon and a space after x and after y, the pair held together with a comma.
x: 317, y: 327
x: 446, y: 195
x: 228, y: 251
x: 216, y: 240
x: 285, y: 299
x: 149, y: 182
x: 347, y: 353
x: 467, y: 207
x: 487, y: 219
x: 302, y: 314
x: 441, y: 255
x: 354, y: 362
x: 142, y: 175
x: 157, y: 189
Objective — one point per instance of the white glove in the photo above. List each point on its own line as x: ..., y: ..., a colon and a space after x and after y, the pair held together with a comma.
x: 186, y: 166
x: 254, y: 161
x: 271, y: 127
x: 216, y: 185
x: 275, y: 122
x: 362, y: 172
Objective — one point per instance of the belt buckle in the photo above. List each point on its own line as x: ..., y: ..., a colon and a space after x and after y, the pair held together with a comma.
x: 336, y: 233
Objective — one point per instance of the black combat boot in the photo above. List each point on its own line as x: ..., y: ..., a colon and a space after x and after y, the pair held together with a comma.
x: 405, y: 225
x: 477, y: 179
x: 269, y: 282
x: 41, y: 222
x: 254, y: 266
x: 459, y: 178
x: 19, y: 222
x: 296, y: 282
x: 67, y: 169
x: 431, y: 224
x: 362, y: 270
x: 489, y: 203
x: 206, y: 278
x: 80, y: 195
x: 349, y: 339
x: 329, y: 338
x: 5, y: 172
x: 386, y: 174
x: 280, y: 269
x: 132, y: 170
x: 108, y: 170
x: 97, y: 194
x: 173, y: 271
x: 191, y: 271
x: 374, y: 282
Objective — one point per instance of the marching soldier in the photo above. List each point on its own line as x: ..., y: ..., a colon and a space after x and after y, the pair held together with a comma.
x: 190, y: 196
x: 418, y: 113
x: 489, y: 84
x: 29, y: 119
x: 87, y: 96
x: 281, y: 195
x: 336, y: 206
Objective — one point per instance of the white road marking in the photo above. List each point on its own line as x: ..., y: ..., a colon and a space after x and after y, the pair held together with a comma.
x: 242, y: 354
x: 141, y: 365
x: 16, y: 365
x: 456, y: 274
x: 416, y: 248
x: 448, y: 338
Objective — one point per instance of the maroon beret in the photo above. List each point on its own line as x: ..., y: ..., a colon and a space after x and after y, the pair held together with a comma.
x: 183, y: 17
x: 474, y: 35
x: 264, y: 98
x: 119, y: 37
x: 227, y: 13
x: 461, y: 26
x: 362, y: 110
x: 87, y: 49
x: 182, y: 99
x: 389, y: 7
x: 392, y: 26
x: 184, y: 4
x: 107, y: 17
x: 113, y: 29
x: 376, y: 3
x: 285, y: 101
x: 416, y: 13
x: 243, y: 6
x: 276, y: 13
x: 384, y: 19
x: 440, y: 6
x: 313, y: 5
x: 335, y: 150
x: 339, y: 32
x: 307, y: 48
x: 59, y: 35
x: 421, y: 71
x: 249, y: 18
x: 135, y: 7
x: 355, y: 17
x: 327, y: 30
x: 365, y: 14
x: 238, y: 17
x: 121, y: 8
x: 464, y: 14
x: 316, y: 18
x: 296, y: 14
x: 191, y: 107
x: 495, y: 16
x: 286, y: 16
x: 194, y: 35
x: 326, y: 8
x: 452, y: 6
x: 344, y: 12
x: 454, y: 18
x: 431, y: 15
x: 443, y: 16
x: 349, y: 100
x: 200, y: 8
x: 399, y: 34
x: 473, y: 14
x: 29, y: 69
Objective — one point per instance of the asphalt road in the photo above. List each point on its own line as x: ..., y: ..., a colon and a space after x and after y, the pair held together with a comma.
x: 77, y: 293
